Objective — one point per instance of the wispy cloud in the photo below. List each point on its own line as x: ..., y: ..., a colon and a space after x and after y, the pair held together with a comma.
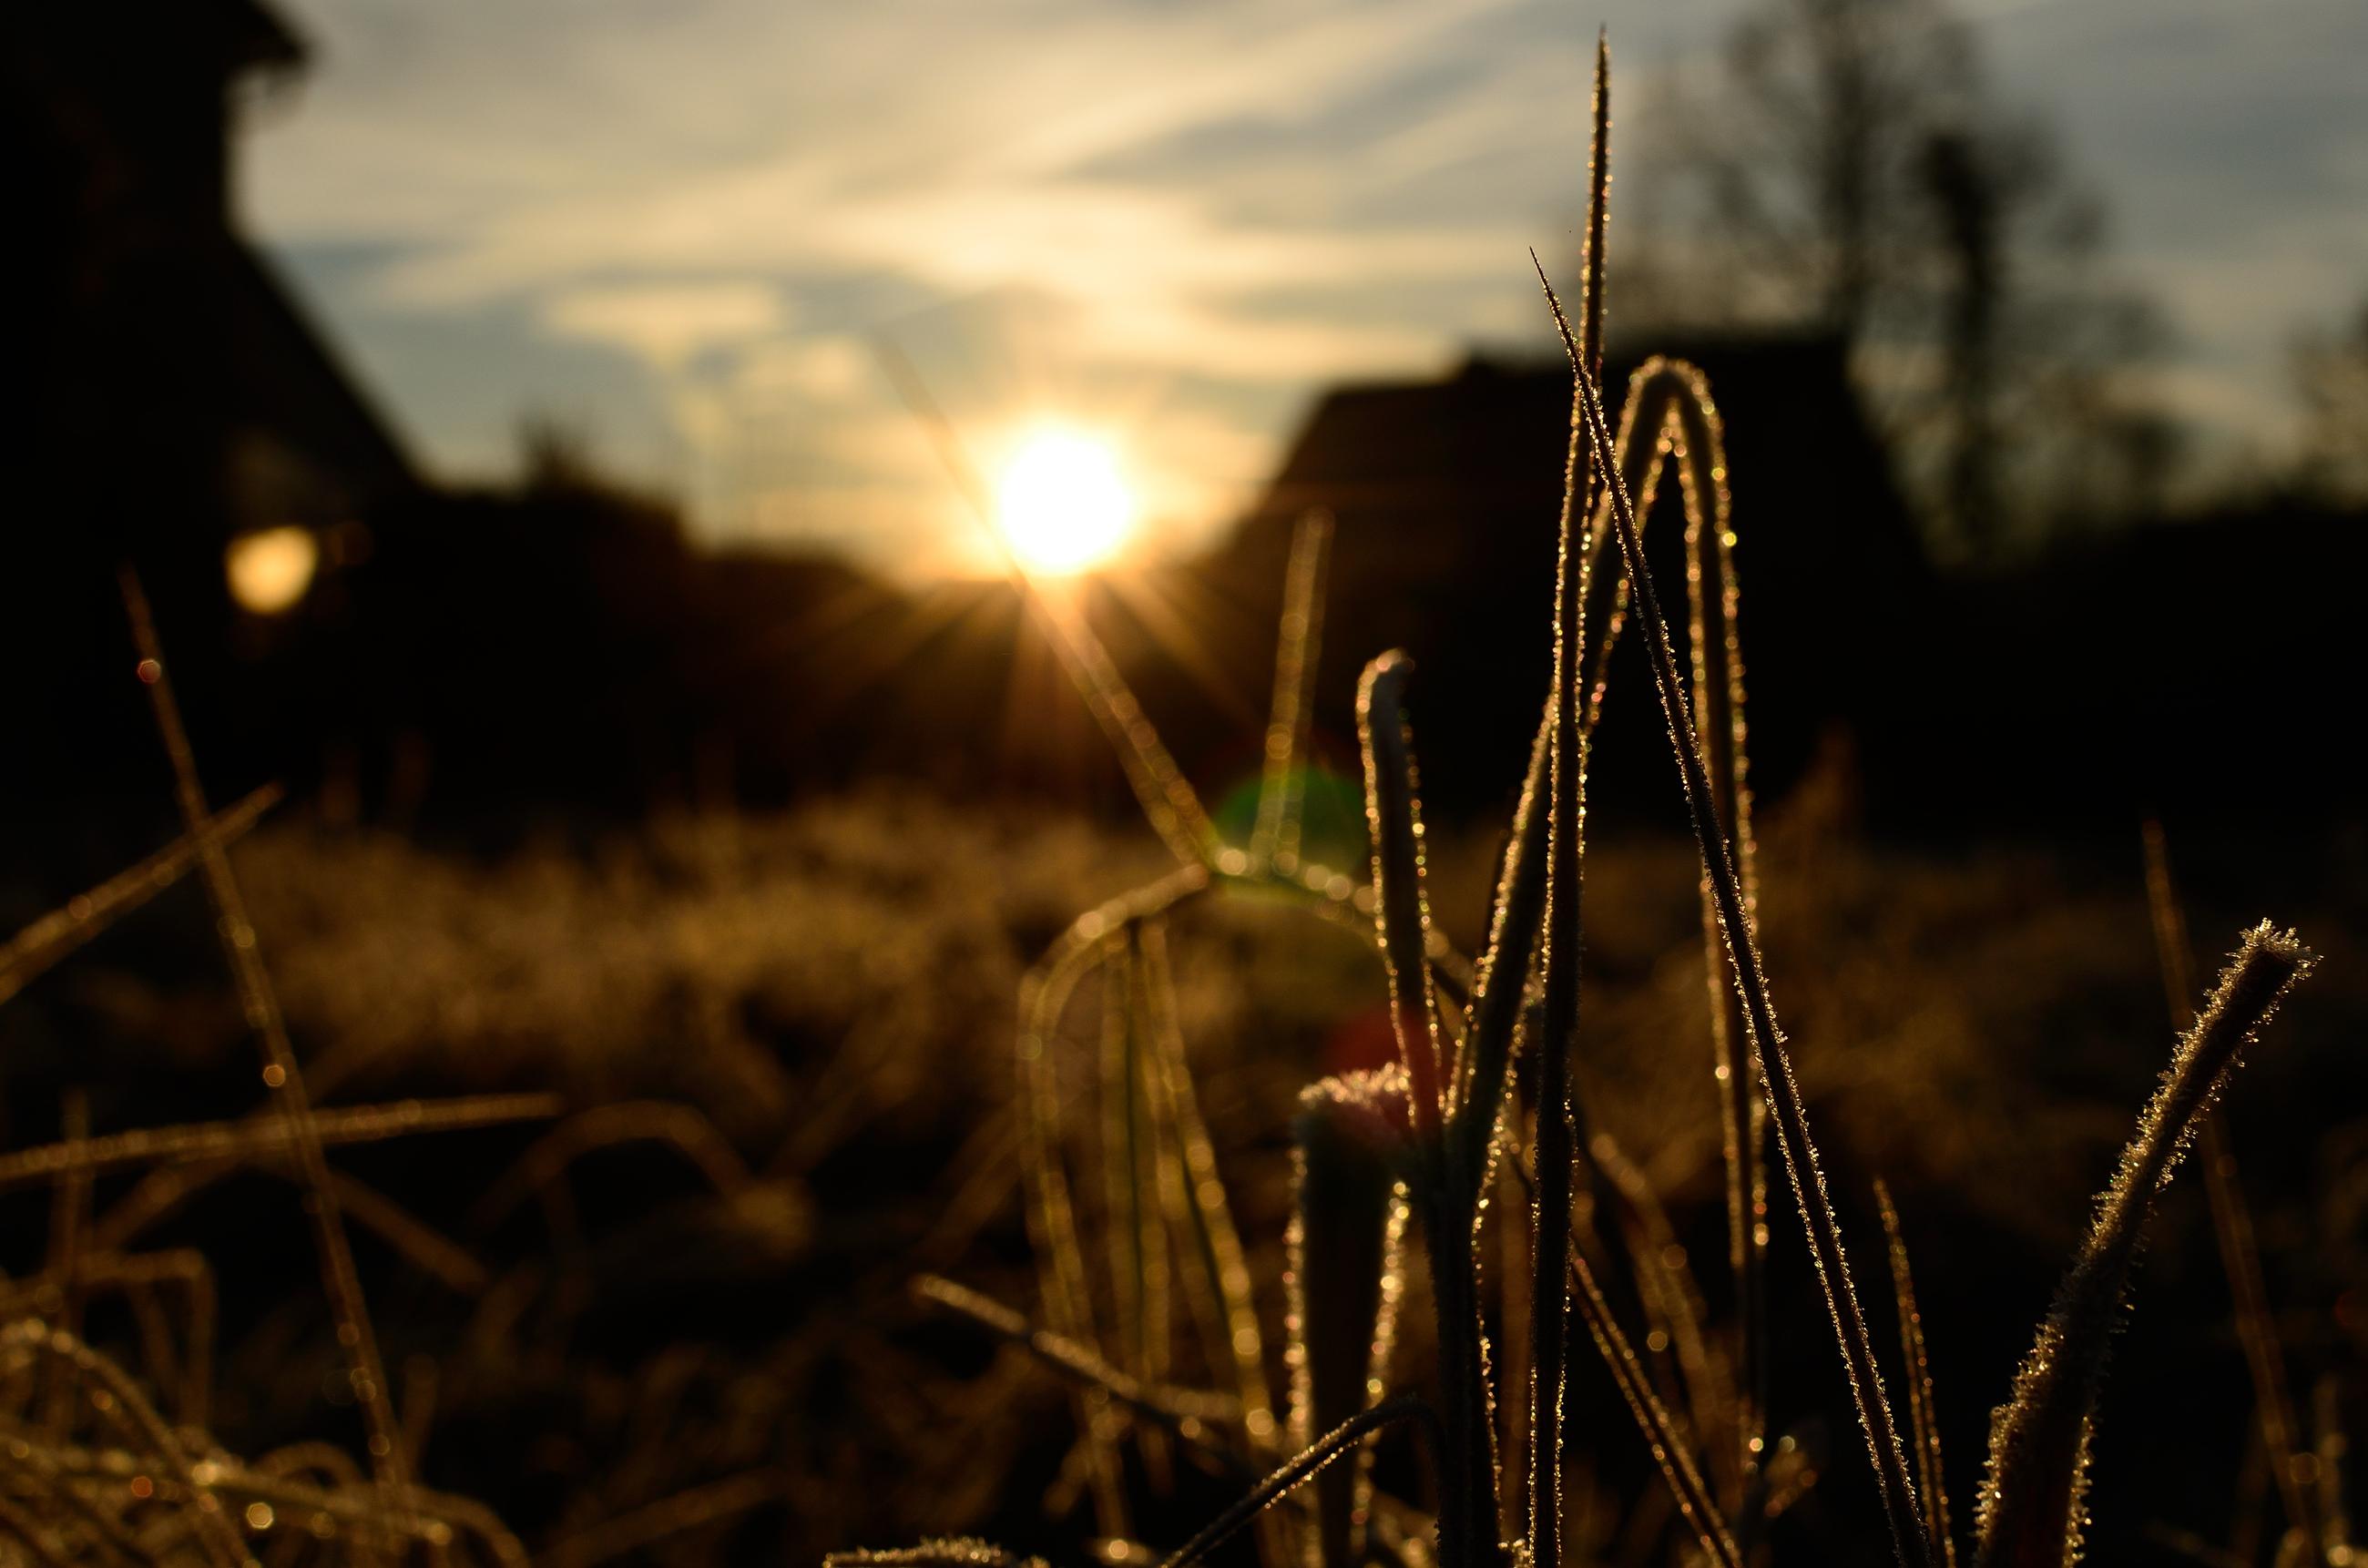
x: 1176, y: 218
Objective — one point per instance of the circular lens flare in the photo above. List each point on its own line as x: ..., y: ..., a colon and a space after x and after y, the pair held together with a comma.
x: 1062, y: 502
x: 271, y: 569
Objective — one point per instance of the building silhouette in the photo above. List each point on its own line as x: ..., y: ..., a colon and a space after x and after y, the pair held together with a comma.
x: 1447, y: 493
x: 165, y: 394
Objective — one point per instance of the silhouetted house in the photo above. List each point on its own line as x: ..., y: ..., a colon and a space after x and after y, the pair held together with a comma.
x: 164, y: 394
x: 1447, y: 496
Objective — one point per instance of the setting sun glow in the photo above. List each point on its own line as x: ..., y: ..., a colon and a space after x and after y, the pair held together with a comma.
x: 1062, y: 502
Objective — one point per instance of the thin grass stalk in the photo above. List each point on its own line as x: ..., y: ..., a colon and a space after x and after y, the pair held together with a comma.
x: 1234, y: 1339
x: 1394, y: 817
x: 69, y: 1223
x: 1282, y: 787
x: 1501, y: 983
x: 1170, y: 805
x: 1192, y: 1415
x: 1555, y: 1139
x: 202, y: 1312
x: 1662, y: 387
x: 677, y: 1126
x: 1776, y: 1068
x: 1045, y: 994
x: 431, y: 1517
x: 1666, y: 398
x: 412, y: 1238
x: 1511, y: 1211
x: 1341, y: 1440
x: 417, y: 1406
x: 282, y: 1075
x: 2030, y: 1506
x: 162, y: 1192
x: 2232, y: 1221
x: 1393, y: 813
x: 1923, y: 1415
x: 1233, y: 1336
x: 1131, y: 1214
x: 2334, y: 1542
x: 1668, y: 415
x: 1155, y: 1134
x: 252, y: 1138
x: 1669, y: 418
x: 159, y: 1357
x: 1672, y: 1298
x: 1342, y: 1283
x: 126, y: 1405
x: 1718, y: 698
x: 1068, y: 1301
x: 1671, y: 1451
x: 40, y: 946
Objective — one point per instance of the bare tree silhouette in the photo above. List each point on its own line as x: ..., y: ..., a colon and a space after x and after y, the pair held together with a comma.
x: 2330, y: 372
x: 1861, y: 178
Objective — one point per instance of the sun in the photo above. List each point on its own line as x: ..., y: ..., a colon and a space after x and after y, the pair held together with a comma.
x: 1062, y: 502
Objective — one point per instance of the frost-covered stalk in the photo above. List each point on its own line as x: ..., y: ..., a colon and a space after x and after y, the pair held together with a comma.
x: 1923, y: 1416
x: 1467, y: 1467
x: 2030, y: 1513
x: 2232, y: 1225
x: 1342, y: 1284
x: 1565, y: 860
x: 1768, y: 1044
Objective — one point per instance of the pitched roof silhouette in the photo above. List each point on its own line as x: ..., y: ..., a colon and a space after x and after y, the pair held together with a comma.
x: 167, y: 392
x: 1447, y: 493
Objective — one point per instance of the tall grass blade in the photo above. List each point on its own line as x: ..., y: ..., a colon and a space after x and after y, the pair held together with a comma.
x: 1669, y: 419
x: 1668, y: 416
x: 282, y: 1078
x: 1230, y: 1320
x: 69, y: 1224
x: 255, y: 1139
x: 1138, y: 1249
x: 1169, y: 803
x: 2334, y: 1541
x: 1467, y: 1526
x: 1670, y: 1293
x: 1694, y: 438
x: 680, y: 1128
x: 1394, y: 817
x: 1045, y: 994
x: 1923, y: 1416
x: 2232, y: 1223
x: 1341, y: 1440
x: 1282, y: 787
x: 2030, y: 1511
x: 1776, y: 1068
x: 1672, y: 1453
x: 1343, y: 1284
x: 40, y: 946
x: 1501, y: 983
x: 1191, y: 1414
x: 1565, y: 859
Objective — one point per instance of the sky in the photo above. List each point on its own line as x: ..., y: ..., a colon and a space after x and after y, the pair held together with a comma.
x: 683, y: 228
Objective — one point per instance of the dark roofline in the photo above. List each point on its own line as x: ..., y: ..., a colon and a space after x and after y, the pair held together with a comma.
x: 366, y: 431
x: 256, y: 38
